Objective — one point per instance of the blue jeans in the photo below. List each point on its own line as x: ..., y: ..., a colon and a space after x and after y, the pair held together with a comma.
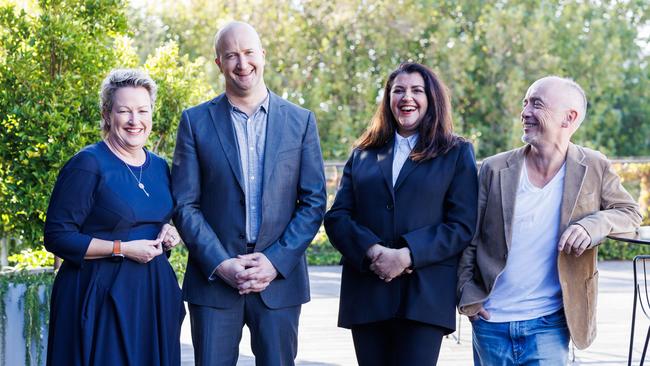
x: 540, y: 341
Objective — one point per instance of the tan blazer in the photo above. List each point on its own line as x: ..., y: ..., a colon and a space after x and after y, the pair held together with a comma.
x: 593, y: 198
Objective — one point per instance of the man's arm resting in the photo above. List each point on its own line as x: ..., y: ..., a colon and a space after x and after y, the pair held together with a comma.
x: 619, y: 212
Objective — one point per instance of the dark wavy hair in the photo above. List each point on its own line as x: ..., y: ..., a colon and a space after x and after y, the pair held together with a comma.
x: 436, y: 135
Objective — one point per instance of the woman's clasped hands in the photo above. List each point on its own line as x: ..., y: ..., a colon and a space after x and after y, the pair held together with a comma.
x: 389, y: 263
x: 143, y: 251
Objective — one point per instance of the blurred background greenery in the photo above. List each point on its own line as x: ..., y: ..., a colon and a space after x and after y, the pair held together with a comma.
x: 329, y: 56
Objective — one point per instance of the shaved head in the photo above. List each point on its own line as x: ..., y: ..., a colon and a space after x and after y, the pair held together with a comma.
x: 234, y: 27
x: 566, y: 92
x: 241, y: 60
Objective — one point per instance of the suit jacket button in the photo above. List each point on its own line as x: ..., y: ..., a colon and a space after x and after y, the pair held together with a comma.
x: 242, y: 236
x: 389, y: 206
x: 242, y: 202
x: 505, y: 256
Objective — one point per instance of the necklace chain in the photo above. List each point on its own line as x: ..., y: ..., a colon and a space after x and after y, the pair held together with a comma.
x: 139, y: 179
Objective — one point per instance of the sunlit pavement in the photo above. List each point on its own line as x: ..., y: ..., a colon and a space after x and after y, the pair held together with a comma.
x: 322, y: 343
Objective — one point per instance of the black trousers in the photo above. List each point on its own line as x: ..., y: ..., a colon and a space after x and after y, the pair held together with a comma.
x: 397, y: 342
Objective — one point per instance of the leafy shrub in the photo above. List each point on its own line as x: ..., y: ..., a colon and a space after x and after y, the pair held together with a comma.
x: 321, y: 252
x: 178, y: 260
x: 52, y: 61
x: 31, y: 259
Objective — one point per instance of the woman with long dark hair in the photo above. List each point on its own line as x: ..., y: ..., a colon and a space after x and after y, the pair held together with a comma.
x: 404, y: 212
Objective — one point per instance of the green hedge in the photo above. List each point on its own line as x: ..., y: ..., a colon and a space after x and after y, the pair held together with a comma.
x: 612, y: 250
x: 321, y: 252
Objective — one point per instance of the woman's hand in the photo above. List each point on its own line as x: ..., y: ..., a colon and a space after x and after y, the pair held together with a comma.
x: 169, y: 237
x: 142, y: 251
x: 389, y: 263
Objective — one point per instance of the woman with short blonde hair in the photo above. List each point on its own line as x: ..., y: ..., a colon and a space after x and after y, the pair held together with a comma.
x: 115, y: 300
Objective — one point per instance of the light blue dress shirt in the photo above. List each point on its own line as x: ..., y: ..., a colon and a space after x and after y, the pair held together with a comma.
x: 251, y: 140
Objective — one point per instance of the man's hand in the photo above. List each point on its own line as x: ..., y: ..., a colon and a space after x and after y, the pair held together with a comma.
x: 390, y: 263
x: 482, y: 313
x: 258, y: 274
x: 229, y: 269
x: 574, y: 239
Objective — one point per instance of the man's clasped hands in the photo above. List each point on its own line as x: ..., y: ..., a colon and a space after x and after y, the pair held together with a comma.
x: 248, y: 273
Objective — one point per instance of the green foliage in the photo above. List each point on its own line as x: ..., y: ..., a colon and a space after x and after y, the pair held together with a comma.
x: 51, y: 63
x: 181, y: 84
x: 321, y: 252
x: 36, y: 315
x: 178, y: 260
x: 638, y: 173
x: 35, y: 302
x: 329, y: 56
x: 610, y: 249
x: 31, y: 259
x: 53, y: 57
x: 334, y: 56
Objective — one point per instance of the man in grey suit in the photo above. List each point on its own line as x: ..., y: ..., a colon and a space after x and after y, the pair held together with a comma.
x: 249, y: 185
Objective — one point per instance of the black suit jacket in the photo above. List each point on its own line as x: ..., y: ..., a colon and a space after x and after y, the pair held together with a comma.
x: 432, y: 209
x: 210, y: 213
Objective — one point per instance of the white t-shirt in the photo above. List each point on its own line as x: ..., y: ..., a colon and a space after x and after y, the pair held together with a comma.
x: 529, y: 286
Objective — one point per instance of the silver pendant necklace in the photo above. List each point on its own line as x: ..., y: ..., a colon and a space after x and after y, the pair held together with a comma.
x: 139, y: 179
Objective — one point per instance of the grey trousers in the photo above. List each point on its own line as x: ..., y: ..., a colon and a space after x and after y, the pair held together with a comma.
x: 216, y: 333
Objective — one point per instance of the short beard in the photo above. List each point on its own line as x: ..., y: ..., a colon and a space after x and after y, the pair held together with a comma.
x: 527, y: 139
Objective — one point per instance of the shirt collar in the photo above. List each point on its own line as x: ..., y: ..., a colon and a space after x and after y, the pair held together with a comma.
x: 264, y: 106
x: 411, y: 140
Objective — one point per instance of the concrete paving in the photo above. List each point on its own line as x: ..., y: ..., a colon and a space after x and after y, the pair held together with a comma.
x: 322, y: 343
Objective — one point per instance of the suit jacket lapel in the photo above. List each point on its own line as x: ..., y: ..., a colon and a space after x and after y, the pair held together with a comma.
x: 385, y: 162
x: 275, y: 130
x: 275, y: 125
x: 220, y: 113
x: 407, y: 168
x: 509, y: 178
x: 573, y: 180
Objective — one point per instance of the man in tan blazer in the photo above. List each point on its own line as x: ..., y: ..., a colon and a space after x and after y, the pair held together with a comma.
x: 529, y: 280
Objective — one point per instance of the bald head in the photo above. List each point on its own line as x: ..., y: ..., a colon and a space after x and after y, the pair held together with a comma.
x: 565, y: 92
x: 235, y: 28
x: 241, y: 60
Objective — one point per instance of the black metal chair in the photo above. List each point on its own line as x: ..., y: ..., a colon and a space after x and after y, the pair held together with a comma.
x: 641, y: 265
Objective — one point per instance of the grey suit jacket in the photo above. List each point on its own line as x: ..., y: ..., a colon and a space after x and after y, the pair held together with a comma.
x: 593, y: 198
x: 210, y: 212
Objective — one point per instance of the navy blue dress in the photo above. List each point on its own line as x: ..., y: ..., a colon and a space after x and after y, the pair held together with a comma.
x: 105, y: 312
